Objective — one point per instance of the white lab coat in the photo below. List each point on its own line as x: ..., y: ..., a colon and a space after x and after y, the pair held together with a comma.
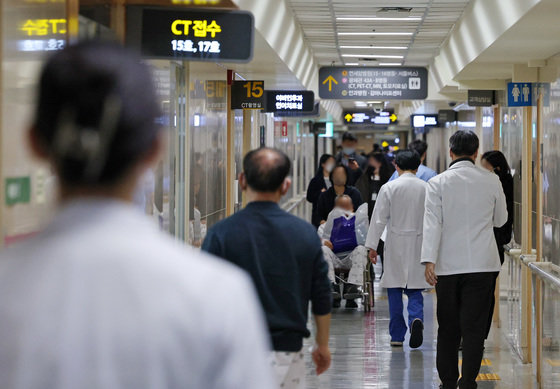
x: 463, y: 205
x: 101, y: 299
x: 400, y: 208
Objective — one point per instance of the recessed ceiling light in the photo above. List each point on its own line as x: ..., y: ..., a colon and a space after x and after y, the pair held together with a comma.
x: 372, y: 56
x: 375, y: 33
x: 369, y: 18
x: 360, y: 103
x: 376, y: 47
x: 351, y: 64
x: 375, y: 102
x: 390, y: 64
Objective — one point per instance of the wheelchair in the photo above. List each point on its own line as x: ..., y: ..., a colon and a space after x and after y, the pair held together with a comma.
x: 365, y: 291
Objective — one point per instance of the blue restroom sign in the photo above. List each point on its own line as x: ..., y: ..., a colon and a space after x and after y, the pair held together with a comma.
x: 525, y: 94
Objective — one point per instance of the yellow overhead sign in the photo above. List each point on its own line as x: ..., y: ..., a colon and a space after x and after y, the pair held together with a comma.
x: 196, y: 2
x: 43, y: 27
x: 199, y: 28
x: 330, y: 80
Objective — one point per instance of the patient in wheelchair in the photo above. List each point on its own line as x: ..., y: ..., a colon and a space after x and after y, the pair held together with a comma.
x: 343, y: 237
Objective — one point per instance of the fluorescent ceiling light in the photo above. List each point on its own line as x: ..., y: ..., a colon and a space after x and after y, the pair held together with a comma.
x: 360, y: 104
x: 375, y: 102
x: 376, y: 47
x: 390, y: 64
x: 351, y: 64
x: 375, y: 33
x: 372, y: 56
x: 369, y: 18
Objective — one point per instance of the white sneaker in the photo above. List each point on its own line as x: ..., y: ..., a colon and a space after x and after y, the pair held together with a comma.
x: 396, y: 344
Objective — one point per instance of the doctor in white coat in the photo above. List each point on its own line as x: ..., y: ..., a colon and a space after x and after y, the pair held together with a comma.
x: 463, y: 205
x: 400, y: 208
x: 101, y: 298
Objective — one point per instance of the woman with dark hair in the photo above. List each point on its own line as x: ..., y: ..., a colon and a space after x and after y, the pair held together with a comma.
x: 101, y: 298
x: 378, y: 172
x: 319, y: 184
x: 339, y: 179
x: 495, y: 161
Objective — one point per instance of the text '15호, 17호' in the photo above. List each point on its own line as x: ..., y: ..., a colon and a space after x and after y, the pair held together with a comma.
x: 191, y: 35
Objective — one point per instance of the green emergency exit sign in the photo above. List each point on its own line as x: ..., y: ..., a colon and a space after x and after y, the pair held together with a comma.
x: 17, y: 190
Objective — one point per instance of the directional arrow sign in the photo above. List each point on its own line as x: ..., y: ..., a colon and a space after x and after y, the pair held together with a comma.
x: 393, y: 118
x: 348, y: 117
x: 379, y: 83
x: 330, y: 80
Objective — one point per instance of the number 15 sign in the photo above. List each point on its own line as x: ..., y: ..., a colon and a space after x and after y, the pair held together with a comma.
x: 247, y: 95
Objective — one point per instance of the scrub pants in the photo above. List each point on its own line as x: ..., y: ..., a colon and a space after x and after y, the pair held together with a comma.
x: 355, y: 261
x: 397, y: 325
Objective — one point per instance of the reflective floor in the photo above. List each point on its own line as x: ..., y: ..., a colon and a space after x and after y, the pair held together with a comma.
x: 363, y: 358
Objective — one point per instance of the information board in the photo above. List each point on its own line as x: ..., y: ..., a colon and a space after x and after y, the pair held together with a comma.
x: 247, y: 95
x: 191, y: 35
x: 289, y: 101
x: 383, y: 118
x: 480, y: 98
x: 384, y: 83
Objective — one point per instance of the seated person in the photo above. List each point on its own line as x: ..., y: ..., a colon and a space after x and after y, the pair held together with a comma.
x: 343, y: 237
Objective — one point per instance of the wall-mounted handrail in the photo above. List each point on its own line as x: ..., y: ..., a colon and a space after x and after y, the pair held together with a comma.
x: 293, y: 203
x: 546, y: 272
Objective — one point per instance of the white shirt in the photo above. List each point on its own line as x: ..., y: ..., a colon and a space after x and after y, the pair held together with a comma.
x: 101, y: 299
x: 328, y: 183
x: 463, y: 205
x: 400, y: 208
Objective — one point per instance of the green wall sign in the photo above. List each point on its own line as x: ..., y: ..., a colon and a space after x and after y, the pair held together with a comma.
x: 18, y: 190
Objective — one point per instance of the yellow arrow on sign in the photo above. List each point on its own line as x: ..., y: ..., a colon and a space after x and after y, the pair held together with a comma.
x: 348, y: 117
x: 330, y: 80
x: 393, y: 118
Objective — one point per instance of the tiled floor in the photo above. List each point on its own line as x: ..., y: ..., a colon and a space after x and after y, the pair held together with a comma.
x: 363, y: 358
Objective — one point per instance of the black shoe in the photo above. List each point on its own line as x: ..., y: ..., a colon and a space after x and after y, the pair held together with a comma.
x: 351, y: 304
x: 351, y: 292
x: 335, y: 291
x: 416, y: 333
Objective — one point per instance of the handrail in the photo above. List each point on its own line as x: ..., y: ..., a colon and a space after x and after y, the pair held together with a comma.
x: 293, y: 203
x: 509, y: 247
x: 539, y: 269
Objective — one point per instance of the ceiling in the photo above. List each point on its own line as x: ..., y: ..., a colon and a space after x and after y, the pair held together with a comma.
x: 422, y: 25
x: 400, y: 32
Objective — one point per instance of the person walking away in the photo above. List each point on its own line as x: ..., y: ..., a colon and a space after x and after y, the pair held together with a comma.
x: 400, y: 209
x: 101, y: 298
x: 339, y: 179
x: 319, y: 184
x: 283, y: 255
x: 424, y: 172
x: 463, y: 205
x: 496, y: 162
x: 348, y: 157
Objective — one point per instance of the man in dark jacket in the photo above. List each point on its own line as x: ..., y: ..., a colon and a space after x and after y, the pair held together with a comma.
x: 348, y: 157
x: 283, y: 255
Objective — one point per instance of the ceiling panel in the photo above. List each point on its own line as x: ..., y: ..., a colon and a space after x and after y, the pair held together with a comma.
x: 421, y: 37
